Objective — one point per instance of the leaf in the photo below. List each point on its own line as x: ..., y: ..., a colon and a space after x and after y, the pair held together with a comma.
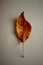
x: 23, y: 28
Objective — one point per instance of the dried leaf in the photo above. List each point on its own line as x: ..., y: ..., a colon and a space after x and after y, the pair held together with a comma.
x: 23, y: 28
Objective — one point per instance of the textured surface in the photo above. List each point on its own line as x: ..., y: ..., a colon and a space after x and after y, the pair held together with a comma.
x: 33, y: 47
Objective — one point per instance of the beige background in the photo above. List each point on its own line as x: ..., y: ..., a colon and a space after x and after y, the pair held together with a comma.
x: 33, y: 47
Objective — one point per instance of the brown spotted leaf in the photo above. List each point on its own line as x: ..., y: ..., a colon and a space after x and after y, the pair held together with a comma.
x: 23, y: 28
